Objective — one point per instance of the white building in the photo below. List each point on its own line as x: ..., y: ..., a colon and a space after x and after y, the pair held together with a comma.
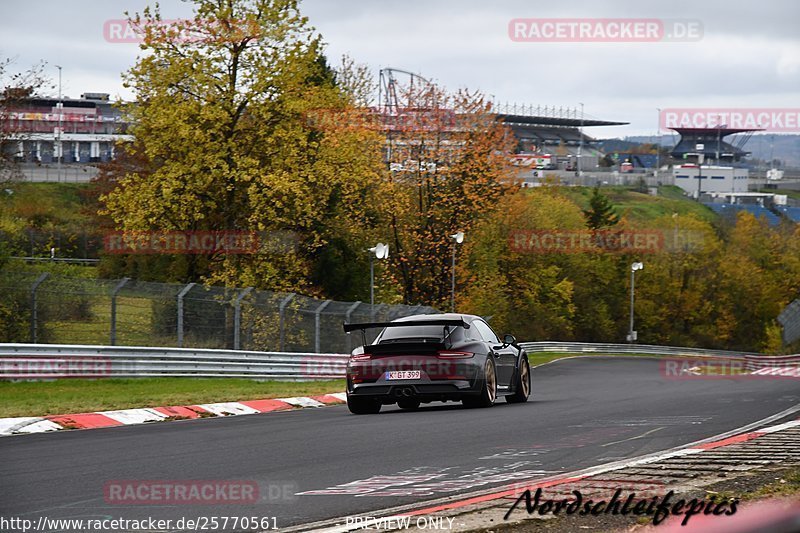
x: 713, y: 179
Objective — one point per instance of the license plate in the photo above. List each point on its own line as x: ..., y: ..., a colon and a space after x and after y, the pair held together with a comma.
x: 403, y: 374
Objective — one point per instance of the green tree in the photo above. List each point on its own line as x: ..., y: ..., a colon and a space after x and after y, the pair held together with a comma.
x: 601, y: 212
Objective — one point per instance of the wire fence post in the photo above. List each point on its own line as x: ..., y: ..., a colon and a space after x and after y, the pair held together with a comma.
x: 34, y: 312
x: 237, y: 316
x: 317, y: 313
x: 181, y: 294
x: 282, y: 320
x: 114, y: 293
x: 347, y: 316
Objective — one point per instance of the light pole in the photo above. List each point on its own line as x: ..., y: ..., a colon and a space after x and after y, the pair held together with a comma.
x: 58, y: 134
x: 700, y: 148
x: 634, y: 267
x: 381, y: 251
x: 580, y: 144
x: 658, y: 146
x: 458, y: 238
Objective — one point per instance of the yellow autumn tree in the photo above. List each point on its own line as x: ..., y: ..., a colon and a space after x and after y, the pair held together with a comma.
x: 221, y: 114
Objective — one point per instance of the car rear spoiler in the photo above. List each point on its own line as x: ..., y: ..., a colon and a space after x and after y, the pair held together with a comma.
x: 454, y: 322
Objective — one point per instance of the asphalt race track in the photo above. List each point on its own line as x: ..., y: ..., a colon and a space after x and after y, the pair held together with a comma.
x: 584, y: 412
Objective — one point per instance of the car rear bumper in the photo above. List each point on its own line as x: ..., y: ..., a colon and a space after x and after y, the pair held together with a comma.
x: 429, y: 391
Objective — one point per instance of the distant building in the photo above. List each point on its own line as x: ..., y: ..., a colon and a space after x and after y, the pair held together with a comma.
x: 712, y: 179
x: 81, y: 131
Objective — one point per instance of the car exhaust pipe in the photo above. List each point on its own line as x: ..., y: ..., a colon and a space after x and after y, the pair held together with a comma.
x: 405, y: 391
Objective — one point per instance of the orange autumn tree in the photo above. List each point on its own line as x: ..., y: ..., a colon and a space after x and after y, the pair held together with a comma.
x: 448, y: 160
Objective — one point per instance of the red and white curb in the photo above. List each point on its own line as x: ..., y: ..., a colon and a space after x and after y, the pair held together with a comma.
x: 127, y: 417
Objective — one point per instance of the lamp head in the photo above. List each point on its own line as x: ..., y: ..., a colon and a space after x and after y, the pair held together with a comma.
x: 458, y: 237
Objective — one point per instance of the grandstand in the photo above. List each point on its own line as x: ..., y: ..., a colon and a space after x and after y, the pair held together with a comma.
x: 730, y: 210
x: 792, y: 213
x: 555, y: 132
x: 715, y: 148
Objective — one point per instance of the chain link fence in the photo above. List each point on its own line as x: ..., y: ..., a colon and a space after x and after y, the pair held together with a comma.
x: 41, y: 308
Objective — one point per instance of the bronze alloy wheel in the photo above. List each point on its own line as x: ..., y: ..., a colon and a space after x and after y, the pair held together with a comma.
x: 491, y: 383
x: 522, y: 387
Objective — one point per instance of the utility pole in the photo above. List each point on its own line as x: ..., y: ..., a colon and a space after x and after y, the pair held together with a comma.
x: 580, y: 144
x: 60, y: 108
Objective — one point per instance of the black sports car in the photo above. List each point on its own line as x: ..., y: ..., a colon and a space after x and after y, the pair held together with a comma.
x: 425, y: 358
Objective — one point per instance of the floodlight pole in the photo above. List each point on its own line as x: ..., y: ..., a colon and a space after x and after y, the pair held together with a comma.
x: 658, y: 146
x: 458, y: 238
x: 700, y: 148
x: 634, y: 267
x: 453, y: 281
x: 371, y: 280
x: 58, y: 135
x: 381, y: 251
x: 580, y: 145
x: 630, y: 329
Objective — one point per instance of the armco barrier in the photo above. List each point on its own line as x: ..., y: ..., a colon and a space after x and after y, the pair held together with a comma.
x: 43, y: 361
x: 48, y: 361
x: 587, y: 347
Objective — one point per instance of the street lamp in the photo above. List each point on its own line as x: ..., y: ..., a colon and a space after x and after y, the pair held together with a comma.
x: 658, y: 146
x: 634, y: 267
x: 458, y: 238
x: 58, y: 134
x: 700, y: 149
x: 580, y: 145
x: 381, y: 251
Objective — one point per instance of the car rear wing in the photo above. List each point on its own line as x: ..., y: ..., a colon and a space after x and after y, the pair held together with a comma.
x: 453, y: 322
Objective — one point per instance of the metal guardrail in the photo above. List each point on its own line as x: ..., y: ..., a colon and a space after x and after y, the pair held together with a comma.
x: 43, y: 361
x: 50, y: 361
x: 587, y: 347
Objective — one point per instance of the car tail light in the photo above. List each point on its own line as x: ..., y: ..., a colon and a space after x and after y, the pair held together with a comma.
x: 361, y: 357
x: 447, y: 354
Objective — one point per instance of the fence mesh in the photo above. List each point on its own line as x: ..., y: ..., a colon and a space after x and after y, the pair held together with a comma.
x: 60, y: 310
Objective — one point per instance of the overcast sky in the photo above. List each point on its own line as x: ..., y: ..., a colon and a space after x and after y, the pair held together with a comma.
x: 748, y: 56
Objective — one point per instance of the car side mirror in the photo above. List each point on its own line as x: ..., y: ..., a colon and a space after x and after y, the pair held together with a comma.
x: 509, y: 339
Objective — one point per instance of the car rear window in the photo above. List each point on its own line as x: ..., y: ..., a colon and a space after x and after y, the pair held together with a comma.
x: 419, y: 332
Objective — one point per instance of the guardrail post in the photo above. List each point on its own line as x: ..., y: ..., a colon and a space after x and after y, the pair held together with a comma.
x: 114, y: 293
x: 237, y: 316
x: 347, y: 316
x: 34, y: 313
x: 281, y: 320
x: 317, y: 312
x: 180, y: 312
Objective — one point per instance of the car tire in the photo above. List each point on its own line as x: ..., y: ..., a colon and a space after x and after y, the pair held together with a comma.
x: 363, y: 405
x: 522, y: 383
x: 409, y: 404
x: 488, y: 393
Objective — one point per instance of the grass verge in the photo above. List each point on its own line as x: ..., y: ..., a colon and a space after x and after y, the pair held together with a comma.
x: 66, y: 396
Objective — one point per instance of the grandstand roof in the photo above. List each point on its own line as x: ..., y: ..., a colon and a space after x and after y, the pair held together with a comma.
x: 533, y: 120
